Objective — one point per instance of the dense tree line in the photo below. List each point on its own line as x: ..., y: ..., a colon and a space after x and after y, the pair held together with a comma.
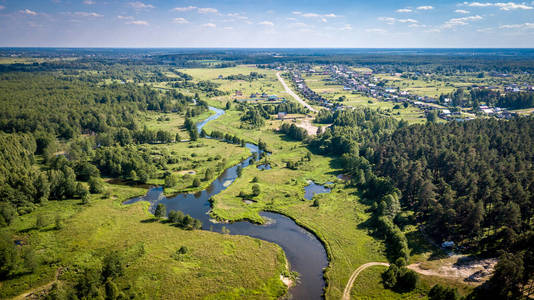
x: 511, y: 100
x: 466, y: 181
x: 350, y: 130
x: 66, y: 108
x: 254, y: 116
x: 294, y: 132
x: 250, y: 77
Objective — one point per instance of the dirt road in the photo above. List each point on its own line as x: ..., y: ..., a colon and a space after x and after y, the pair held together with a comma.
x: 348, y: 287
x: 290, y: 92
x: 457, y: 267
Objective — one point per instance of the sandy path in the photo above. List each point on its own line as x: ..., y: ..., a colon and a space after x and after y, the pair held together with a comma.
x: 450, y: 269
x: 290, y: 92
x: 348, y: 287
x: 308, y: 126
x: 39, y: 289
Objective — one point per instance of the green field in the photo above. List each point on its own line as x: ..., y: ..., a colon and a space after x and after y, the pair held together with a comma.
x: 216, y: 266
x: 193, y: 160
x: 268, y: 85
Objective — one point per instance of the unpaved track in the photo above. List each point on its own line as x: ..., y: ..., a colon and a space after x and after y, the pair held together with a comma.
x: 348, y: 287
x: 290, y: 92
x: 39, y: 288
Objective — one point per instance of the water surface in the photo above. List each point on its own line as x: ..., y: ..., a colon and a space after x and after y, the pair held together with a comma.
x: 312, y: 189
x: 304, y: 251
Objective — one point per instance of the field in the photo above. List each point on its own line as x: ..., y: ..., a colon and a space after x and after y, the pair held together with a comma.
x: 338, y: 221
x: 215, y: 266
x: 268, y: 85
x: 219, y: 266
x: 192, y: 161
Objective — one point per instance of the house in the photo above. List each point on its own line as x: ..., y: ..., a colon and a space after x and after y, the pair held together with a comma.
x: 238, y: 93
x: 281, y: 115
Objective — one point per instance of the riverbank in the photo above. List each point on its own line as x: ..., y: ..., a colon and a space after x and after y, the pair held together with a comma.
x: 215, y: 265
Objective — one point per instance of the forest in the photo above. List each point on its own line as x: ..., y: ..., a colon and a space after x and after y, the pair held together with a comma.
x: 66, y: 128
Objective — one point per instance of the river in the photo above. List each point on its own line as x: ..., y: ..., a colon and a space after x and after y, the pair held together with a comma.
x: 303, y: 250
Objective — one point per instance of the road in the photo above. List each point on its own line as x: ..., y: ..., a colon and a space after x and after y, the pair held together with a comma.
x: 348, y: 287
x: 290, y: 92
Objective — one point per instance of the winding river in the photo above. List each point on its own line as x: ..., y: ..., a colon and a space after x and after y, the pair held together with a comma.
x: 304, y: 251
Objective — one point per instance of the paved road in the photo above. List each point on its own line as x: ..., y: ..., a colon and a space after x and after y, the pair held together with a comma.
x: 290, y: 92
x: 348, y: 287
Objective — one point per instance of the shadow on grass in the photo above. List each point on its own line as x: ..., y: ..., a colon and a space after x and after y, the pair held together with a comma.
x: 150, y: 220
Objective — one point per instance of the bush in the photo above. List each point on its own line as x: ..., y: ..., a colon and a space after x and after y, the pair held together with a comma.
x: 407, y: 279
x: 161, y: 211
x: 439, y: 292
x: 96, y: 185
x: 256, y: 190
x: 390, y: 276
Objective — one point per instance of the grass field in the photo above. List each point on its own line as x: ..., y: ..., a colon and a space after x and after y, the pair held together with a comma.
x: 268, y: 85
x: 216, y: 266
x: 193, y: 160
x: 368, y: 285
x: 338, y: 220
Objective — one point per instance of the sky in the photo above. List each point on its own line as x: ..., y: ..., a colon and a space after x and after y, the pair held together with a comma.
x: 266, y: 24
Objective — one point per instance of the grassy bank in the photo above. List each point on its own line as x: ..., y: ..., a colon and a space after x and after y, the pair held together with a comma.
x: 216, y: 265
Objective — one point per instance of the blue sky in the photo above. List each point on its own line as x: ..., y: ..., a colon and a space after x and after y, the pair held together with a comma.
x: 266, y: 23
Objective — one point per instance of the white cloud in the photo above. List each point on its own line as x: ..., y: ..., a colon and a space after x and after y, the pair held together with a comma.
x: 291, y: 19
x: 460, y: 21
x: 501, y: 5
x: 461, y: 11
x: 518, y: 26
x: 187, y: 8
x: 347, y: 27
x: 180, y: 21
x: 28, y: 12
x: 89, y: 2
x: 228, y: 28
x: 407, y: 21
x: 391, y: 21
x: 209, y: 25
x: 388, y: 20
x: 87, y: 14
x: 425, y: 7
x: 404, y: 10
x: 140, y: 5
x: 237, y: 16
x: 125, y: 17
x: 138, y: 22
x: 266, y: 23
x: 207, y: 10
x: 321, y: 17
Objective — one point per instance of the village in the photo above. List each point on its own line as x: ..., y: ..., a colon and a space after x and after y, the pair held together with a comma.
x: 367, y: 84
